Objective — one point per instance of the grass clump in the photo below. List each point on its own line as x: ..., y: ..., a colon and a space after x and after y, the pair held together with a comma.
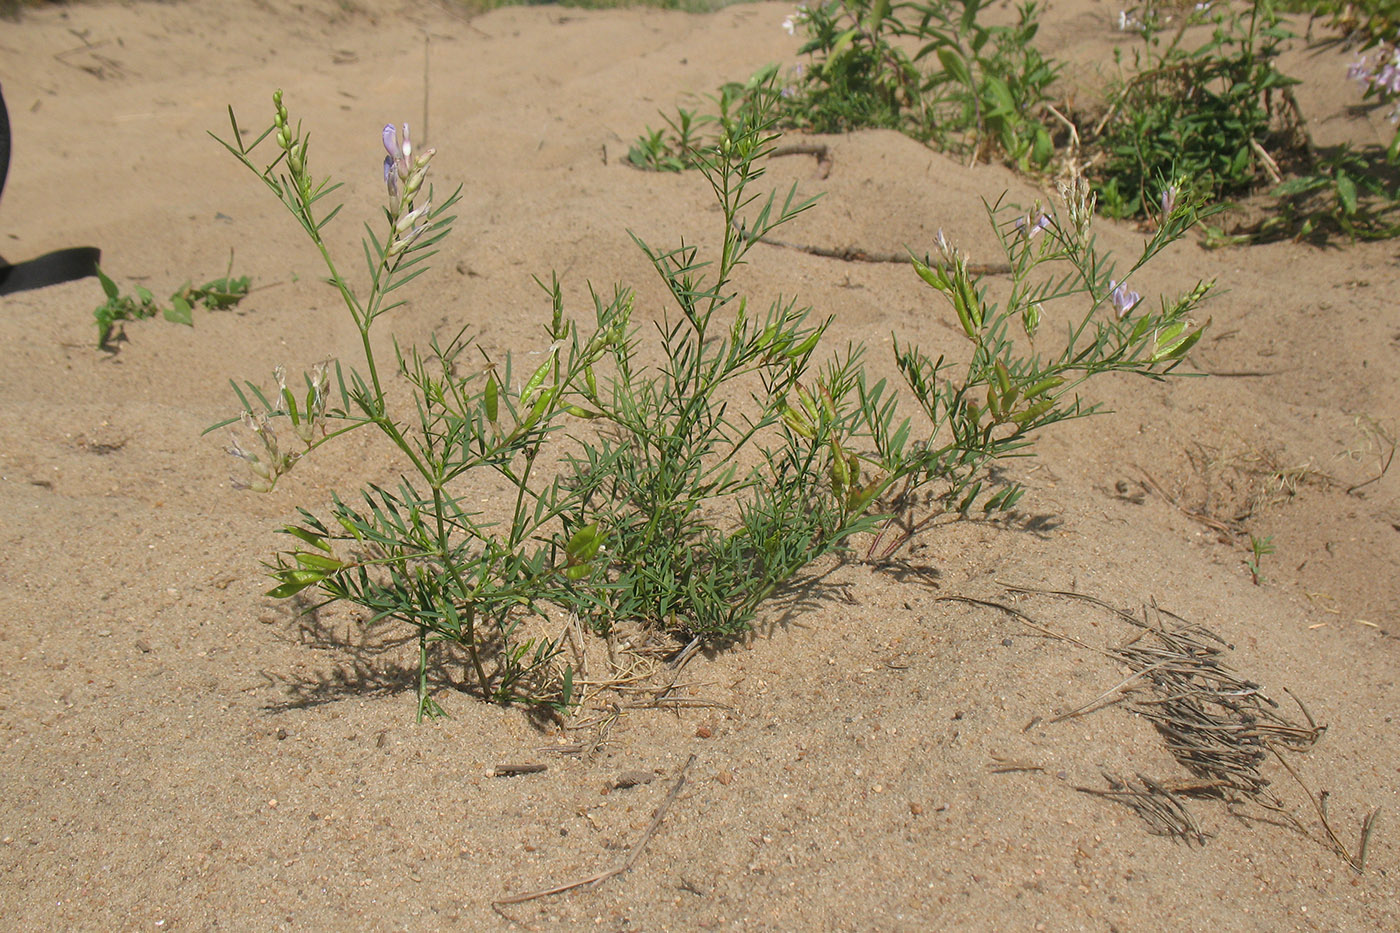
x: 682, y: 494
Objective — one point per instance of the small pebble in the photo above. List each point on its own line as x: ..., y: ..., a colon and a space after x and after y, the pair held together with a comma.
x: 633, y: 778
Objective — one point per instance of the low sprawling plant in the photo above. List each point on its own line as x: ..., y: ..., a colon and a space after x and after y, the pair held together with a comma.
x: 1344, y: 190
x: 1370, y: 22
x: 681, y: 494
x: 986, y: 97
x: 215, y: 295
x: 1210, y: 111
x: 1219, y: 112
x: 681, y: 143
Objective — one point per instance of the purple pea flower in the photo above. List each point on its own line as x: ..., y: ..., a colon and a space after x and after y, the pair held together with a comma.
x: 1124, y: 301
x: 396, y: 164
x: 1169, y: 199
x: 1029, y: 228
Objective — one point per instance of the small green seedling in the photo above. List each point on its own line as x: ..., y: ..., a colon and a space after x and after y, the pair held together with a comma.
x: 216, y: 295
x: 1259, y: 548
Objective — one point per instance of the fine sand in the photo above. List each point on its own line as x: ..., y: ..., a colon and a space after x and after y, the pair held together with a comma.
x: 182, y: 752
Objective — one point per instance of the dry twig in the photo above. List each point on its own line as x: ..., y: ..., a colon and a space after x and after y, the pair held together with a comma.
x: 632, y: 856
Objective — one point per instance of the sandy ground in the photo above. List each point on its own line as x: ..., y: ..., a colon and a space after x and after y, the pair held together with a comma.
x: 181, y: 752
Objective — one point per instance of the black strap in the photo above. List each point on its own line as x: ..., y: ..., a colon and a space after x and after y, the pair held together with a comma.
x: 62, y: 265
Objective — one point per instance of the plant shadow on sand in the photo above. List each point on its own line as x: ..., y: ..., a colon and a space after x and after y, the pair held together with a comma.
x: 368, y: 662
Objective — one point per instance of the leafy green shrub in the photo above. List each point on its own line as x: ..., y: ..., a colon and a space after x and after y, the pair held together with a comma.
x: 1349, y: 191
x: 1220, y: 114
x: 993, y: 85
x: 678, y: 496
x: 857, y: 78
x: 1372, y: 22
x: 1208, y: 113
x: 987, y: 97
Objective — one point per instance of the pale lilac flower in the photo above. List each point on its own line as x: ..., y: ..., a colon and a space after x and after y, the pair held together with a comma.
x: 1169, y: 199
x: 1380, y: 75
x: 1030, y: 228
x: 794, y: 20
x: 391, y: 177
x: 1124, y: 301
x: 396, y: 163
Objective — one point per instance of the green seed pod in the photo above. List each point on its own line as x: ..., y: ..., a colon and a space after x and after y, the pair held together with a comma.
x: 765, y: 340
x: 491, y: 399
x: 584, y: 544
x: 936, y: 279
x: 795, y: 420
x: 1030, y: 319
x: 1003, y: 377
x: 1022, y: 418
x: 536, y: 380
x: 1177, y: 347
x: 806, y: 346
x: 578, y: 411
x: 966, y: 298
x: 1043, y: 386
x: 858, y: 500
x: 840, y: 471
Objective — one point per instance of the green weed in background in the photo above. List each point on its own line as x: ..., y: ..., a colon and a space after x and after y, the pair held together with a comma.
x: 215, y: 295
x: 473, y: 7
x: 1219, y: 111
x: 1259, y: 548
x: 1208, y: 111
x: 857, y: 76
x: 1367, y: 22
x: 1202, y: 102
x: 991, y: 92
x: 986, y: 98
x: 678, y: 496
x: 682, y: 142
